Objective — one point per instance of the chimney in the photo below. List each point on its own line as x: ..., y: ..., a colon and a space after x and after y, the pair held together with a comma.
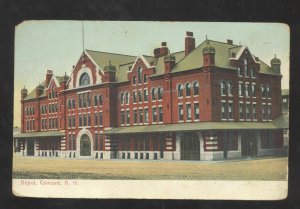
x: 48, y: 77
x: 39, y: 90
x: 24, y: 93
x: 110, y: 73
x: 189, y: 42
x: 169, y: 61
x: 229, y: 41
x: 162, y: 51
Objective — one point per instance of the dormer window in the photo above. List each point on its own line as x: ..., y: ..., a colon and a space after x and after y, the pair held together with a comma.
x: 233, y: 54
x: 246, y: 67
x: 84, y: 79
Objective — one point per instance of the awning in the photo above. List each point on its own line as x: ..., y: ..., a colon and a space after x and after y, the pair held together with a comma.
x: 39, y: 134
x: 193, y: 127
x: 282, y: 121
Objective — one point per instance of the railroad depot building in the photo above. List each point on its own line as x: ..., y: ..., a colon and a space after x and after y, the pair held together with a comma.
x: 209, y: 102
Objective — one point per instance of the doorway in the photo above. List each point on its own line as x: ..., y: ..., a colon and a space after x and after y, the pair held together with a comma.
x: 85, y: 145
x: 30, y: 147
x: 190, y: 147
x: 249, y: 144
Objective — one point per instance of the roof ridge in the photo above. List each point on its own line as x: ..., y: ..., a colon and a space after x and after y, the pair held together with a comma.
x: 111, y: 53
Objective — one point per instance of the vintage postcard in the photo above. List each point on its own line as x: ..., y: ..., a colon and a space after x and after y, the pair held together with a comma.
x: 153, y: 110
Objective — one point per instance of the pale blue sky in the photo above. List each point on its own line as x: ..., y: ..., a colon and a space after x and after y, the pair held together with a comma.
x: 57, y: 45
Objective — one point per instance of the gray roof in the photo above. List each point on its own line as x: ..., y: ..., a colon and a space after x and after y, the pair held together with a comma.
x: 282, y: 121
x: 285, y: 92
x: 194, y: 127
x: 39, y: 134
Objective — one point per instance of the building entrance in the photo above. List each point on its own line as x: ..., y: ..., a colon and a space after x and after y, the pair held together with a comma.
x: 30, y: 147
x: 249, y: 144
x: 190, y: 147
x: 85, y: 145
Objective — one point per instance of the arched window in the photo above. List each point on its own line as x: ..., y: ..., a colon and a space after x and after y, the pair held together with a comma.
x: 145, y: 78
x: 140, y: 77
x: 153, y: 94
x: 84, y: 79
x: 246, y: 67
x: 127, y: 98
x: 229, y: 88
x: 159, y: 93
x: 223, y: 88
x: 196, y: 88
x: 180, y: 90
x: 122, y: 98
x: 187, y: 90
x: 134, y: 80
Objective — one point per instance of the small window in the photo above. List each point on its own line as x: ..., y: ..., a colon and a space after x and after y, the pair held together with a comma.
x: 188, y: 112
x: 196, y: 88
x: 223, y: 88
x: 180, y: 112
x: 145, y: 95
x: 246, y: 67
x: 127, y: 98
x: 122, y: 98
x: 95, y: 100
x: 229, y: 88
x: 180, y: 90
x: 187, y: 90
x: 134, y: 80
x: 100, y: 100
x: 196, y: 111
x: 145, y: 78
x: 153, y: 94
x: 159, y: 93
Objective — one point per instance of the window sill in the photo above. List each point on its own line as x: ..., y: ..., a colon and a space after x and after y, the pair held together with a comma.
x: 196, y: 120
x: 180, y: 121
x: 230, y: 120
x: 242, y: 119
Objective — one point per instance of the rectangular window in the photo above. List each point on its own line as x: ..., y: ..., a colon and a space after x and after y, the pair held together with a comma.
x: 69, y: 121
x: 269, y: 112
x: 140, y: 115
x: 122, y: 117
x: 134, y: 96
x: 95, y: 100
x: 88, y: 100
x: 154, y: 115
x: 69, y: 104
x: 252, y: 73
x: 135, y: 116
x: 100, y: 118
x: 247, y: 90
x: 180, y: 112
x: 254, y: 111
x: 196, y: 111
x: 73, y: 121
x: 84, y: 120
x: 223, y: 110
x: 241, y: 111
x: 146, y: 116
x: 127, y: 117
x: 161, y: 114
x: 253, y: 90
x: 188, y: 112
x: 145, y: 94
x: 230, y: 110
x: 96, y: 119
x: 241, y: 90
x: 80, y: 120
x: 89, y: 119
x: 248, y: 111
x: 264, y: 112
x: 80, y: 100
x: 140, y: 96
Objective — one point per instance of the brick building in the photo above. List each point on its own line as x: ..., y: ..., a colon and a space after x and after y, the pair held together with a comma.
x: 210, y: 102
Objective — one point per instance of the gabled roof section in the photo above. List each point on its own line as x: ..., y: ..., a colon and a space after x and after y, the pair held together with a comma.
x: 31, y: 95
x: 240, y: 52
x: 103, y: 58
